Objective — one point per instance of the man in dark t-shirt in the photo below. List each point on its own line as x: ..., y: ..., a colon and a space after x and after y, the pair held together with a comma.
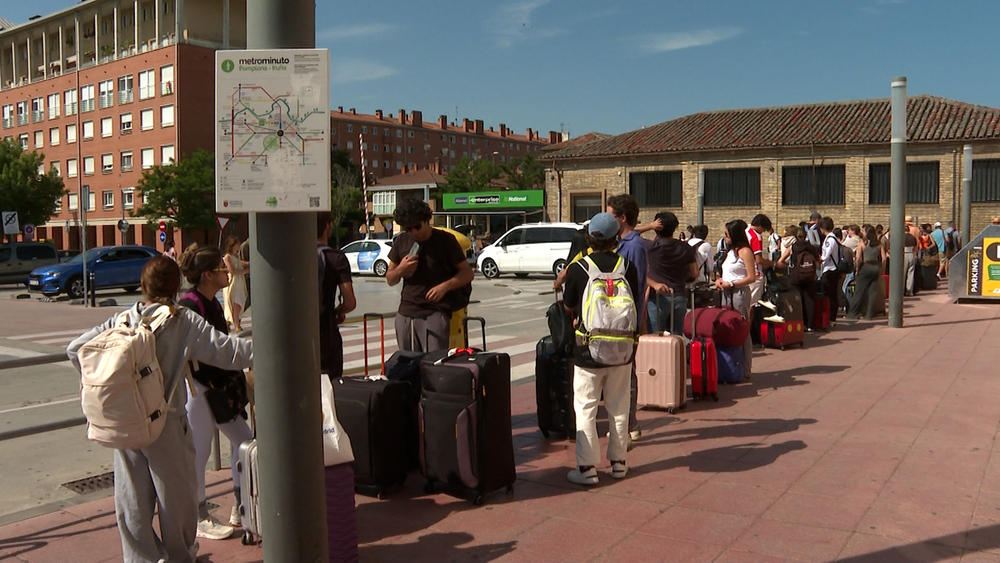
x: 432, y: 267
x: 671, y: 264
x: 334, y: 279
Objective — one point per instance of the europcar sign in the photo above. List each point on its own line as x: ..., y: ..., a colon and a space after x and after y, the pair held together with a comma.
x: 494, y: 200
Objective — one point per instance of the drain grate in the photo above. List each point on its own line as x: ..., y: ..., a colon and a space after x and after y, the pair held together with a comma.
x: 92, y: 483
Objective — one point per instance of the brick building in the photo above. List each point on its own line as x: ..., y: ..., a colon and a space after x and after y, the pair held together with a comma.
x: 785, y: 162
x: 109, y: 88
x: 405, y: 142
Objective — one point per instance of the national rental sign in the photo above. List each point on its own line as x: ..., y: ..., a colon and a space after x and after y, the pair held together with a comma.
x: 484, y: 201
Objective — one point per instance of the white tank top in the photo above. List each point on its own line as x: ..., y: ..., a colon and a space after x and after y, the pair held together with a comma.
x: 733, y: 268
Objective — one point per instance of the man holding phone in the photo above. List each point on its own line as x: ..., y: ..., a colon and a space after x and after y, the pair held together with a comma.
x: 434, y: 272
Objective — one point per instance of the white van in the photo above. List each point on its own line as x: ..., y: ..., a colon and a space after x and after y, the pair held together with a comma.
x: 538, y: 248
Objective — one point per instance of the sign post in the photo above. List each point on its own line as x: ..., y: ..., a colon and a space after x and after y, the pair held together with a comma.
x: 84, y: 203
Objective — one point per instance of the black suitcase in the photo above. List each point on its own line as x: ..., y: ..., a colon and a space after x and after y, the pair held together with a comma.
x: 554, y: 390
x: 465, y: 421
x: 373, y: 412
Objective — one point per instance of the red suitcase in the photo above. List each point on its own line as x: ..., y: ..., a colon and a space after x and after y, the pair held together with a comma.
x: 704, y: 362
x: 821, y: 318
x: 660, y: 367
x: 782, y: 334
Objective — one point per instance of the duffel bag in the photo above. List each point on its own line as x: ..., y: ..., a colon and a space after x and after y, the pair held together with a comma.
x: 722, y: 324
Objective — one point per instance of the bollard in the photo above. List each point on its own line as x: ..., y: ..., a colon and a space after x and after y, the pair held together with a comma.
x: 93, y: 290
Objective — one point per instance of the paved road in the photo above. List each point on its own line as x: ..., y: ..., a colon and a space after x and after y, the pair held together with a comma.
x: 35, y: 467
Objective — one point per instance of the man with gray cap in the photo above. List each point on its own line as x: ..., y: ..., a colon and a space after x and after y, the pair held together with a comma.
x: 592, y: 377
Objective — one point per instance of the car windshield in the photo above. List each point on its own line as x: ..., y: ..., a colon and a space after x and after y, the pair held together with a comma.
x: 91, y: 255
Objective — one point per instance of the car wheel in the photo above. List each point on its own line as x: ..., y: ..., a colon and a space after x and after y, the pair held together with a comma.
x: 131, y: 289
x: 558, y: 267
x: 380, y: 268
x: 521, y: 275
x: 490, y: 269
x: 75, y: 287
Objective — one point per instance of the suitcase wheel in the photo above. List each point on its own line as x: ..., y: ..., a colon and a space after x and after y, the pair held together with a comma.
x: 479, y: 500
x: 510, y: 489
x: 670, y: 410
x: 248, y: 538
x: 545, y: 433
x: 715, y: 397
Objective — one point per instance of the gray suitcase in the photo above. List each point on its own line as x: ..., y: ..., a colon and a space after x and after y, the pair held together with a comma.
x: 246, y: 466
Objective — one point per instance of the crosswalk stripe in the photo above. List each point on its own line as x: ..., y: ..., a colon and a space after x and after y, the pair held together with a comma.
x: 70, y: 333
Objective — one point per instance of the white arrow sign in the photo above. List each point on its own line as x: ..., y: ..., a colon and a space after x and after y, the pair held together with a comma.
x: 10, y: 225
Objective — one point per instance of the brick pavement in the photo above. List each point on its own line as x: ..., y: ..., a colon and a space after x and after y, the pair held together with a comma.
x: 870, y: 444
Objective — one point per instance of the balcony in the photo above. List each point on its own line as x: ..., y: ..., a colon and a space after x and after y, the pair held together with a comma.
x: 86, y: 105
x: 106, y: 100
x: 37, y: 116
x: 8, y: 122
x: 22, y: 119
x: 124, y: 97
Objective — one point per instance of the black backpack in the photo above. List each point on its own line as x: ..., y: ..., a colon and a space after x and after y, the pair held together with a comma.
x: 805, y: 266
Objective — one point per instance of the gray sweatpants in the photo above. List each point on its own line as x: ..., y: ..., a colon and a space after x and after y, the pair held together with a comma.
x: 429, y: 334
x: 160, y: 475
x: 742, y: 301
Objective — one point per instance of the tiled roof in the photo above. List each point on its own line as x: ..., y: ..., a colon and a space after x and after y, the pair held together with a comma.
x: 929, y: 118
x: 415, y: 177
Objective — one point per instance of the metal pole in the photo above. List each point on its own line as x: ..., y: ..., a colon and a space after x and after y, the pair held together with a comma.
x: 966, y: 195
x: 897, y: 201
x: 286, y: 331
x: 701, y: 197
x: 84, y: 201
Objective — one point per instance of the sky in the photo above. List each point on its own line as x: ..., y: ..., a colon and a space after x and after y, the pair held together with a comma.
x: 610, y: 67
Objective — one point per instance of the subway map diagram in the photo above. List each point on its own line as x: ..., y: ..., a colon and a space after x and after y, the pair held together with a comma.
x: 263, y: 127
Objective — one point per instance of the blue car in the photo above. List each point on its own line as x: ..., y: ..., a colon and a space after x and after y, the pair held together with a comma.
x: 113, y: 267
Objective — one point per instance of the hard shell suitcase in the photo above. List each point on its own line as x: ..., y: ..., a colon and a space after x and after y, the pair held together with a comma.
x: 661, y: 369
x: 465, y: 420
x: 246, y: 467
x: 822, y: 317
x: 730, y: 363
x: 554, y: 390
x: 704, y: 363
x: 780, y: 334
x: 341, y: 516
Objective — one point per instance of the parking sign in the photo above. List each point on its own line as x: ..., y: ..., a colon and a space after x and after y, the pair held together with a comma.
x: 10, y: 225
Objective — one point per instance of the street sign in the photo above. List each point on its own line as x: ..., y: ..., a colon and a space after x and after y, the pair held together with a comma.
x: 163, y: 226
x: 10, y: 225
x: 29, y: 232
x: 163, y: 236
x: 221, y: 221
x: 122, y: 225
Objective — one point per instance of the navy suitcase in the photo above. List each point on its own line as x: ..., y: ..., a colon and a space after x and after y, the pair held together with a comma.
x: 554, y: 390
x: 730, y: 363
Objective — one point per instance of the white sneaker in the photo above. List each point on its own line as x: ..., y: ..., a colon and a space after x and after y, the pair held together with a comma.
x: 774, y: 319
x: 619, y: 469
x: 768, y: 305
x: 588, y: 477
x: 212, y: 529
x: 234, y: 517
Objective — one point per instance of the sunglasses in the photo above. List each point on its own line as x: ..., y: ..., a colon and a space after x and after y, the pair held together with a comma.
x: 412, y: 228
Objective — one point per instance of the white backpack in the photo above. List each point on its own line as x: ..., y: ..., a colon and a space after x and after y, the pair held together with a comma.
x: 609, y: 315
x: 121, y: 383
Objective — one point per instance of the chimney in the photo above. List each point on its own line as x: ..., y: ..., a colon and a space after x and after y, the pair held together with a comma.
x: 479, y: 127
x: 503, y: 130
x: 378, y: 114
x: 466, y: 125
x: 553, y: 137
x: 443, y: 122
x: 340, y: 109
x: 402, y: 117
x: 353, y: 112
x: 529, y: 133
x: 491, y: 128
x: 416, y: 119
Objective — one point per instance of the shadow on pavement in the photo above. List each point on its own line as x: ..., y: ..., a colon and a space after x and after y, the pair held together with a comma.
x: 707, y: 461
x: 436, y: 547
x: 935, y: 549
x: 786, y: 377
x: 734, y: 428
x: 38, y: 539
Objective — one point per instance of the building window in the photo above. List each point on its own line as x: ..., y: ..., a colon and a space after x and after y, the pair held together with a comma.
x: 106, y: 94
x: 986, y: 181
x: 661, y: 189
x: 128, y: 197
x: 126, y: 123
x: 107, y: 126
x: 350, y: 145
x: 425, y: 137
x: 53, y: 103
x: 399, y: 133
x: 91, y: 200
x: 797, y: 183
x: 37, y: 110
x: 71, y: 133
x: 383, y: 203
x: 54, y: 137
x: 56, y: 167
x: 374, y: 147
x: 732, y: 187
x: 125, y: 89
x: 375, y: 130
x: 126, y: 164
x: 146, y: 119
x: 409, y: 150
x: 69, y: 101
x: 166, y: 116
x: 166, y: 154
x: 23, y: 139
x: 147, y: 158
x: 22, y: 113
x: 167, y: 80
x: 87, y: 98
x: 39, y: 139
x: 410, y: 135
x: 147, y: 84
x: 72, y: 202
x: 585, y: 206
x: 109, y: 199
x: 107, y: 163
x: 88, y: 130
x: 58, y: 204
x: 399, y: 165
x: 921, y: 183
x: 350, y: 128
x: 71, y: 168
x: 364, y: 129
x: 88, y: 166
x: 8, y: 116
x: 465, y: 140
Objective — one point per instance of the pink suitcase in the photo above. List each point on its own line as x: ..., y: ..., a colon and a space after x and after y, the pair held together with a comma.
x: 661, y: 368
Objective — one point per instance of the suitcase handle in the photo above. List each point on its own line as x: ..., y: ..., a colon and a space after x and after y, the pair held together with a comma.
x: 364, y: 322
x: 465, y: 327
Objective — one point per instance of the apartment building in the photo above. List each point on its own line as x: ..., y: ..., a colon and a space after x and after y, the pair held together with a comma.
x: 785, y: 162
x: 107, y: 89
x: 405, y: 142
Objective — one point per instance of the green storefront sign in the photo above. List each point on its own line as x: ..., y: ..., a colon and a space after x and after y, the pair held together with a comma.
x: 484, y: 201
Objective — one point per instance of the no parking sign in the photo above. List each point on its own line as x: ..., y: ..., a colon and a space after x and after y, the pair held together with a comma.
x: 29, y: 231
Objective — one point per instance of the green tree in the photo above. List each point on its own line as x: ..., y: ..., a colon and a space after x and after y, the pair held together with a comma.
x: 471, y: 175
x: 345, y: 198
x: 182, y: 192
x: 23, y: 188
x: 525, y: 173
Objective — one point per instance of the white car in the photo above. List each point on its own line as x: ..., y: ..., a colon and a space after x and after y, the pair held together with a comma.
x: 538, y: 248
x: 368, y: 256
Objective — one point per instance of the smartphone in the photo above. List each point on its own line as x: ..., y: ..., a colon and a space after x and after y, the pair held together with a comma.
x: 414, y: 249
